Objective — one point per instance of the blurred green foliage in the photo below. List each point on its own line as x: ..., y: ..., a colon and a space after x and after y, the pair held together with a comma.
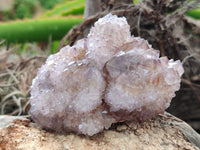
x: 21, y: 9
x: 54, y: 46
x: 75, y: 7
x: 51, y: 26
x: 27, y: 8
x: 37, y: 29
x: 48, y: 4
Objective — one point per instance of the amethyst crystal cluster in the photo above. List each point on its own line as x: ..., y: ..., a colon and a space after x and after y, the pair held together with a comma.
x: 108, y: 77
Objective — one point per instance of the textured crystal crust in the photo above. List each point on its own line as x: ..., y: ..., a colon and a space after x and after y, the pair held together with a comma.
x: 105, y: 78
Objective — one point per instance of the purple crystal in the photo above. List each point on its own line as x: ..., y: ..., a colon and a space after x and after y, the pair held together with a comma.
x: 105, y: 78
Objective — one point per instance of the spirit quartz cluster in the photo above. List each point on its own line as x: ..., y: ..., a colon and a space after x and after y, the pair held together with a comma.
x: 108, y: 77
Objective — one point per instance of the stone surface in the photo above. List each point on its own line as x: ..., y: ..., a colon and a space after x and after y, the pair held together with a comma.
x: 108, y: 77
x: 165, y: 132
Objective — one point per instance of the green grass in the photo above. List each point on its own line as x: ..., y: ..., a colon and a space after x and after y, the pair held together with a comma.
x: 70, y: 7
x: 37, y: 29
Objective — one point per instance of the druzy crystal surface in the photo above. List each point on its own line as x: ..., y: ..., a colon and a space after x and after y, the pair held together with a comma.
x: 108, y: 77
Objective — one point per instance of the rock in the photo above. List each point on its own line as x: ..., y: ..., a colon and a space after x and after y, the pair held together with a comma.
x: 163, y: 132
x: 106, y: 78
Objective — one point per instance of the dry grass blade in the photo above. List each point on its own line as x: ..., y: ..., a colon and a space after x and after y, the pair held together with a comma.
x: 16, y: 76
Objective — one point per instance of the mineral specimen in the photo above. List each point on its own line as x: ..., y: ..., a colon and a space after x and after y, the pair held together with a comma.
x: 108, y: 77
